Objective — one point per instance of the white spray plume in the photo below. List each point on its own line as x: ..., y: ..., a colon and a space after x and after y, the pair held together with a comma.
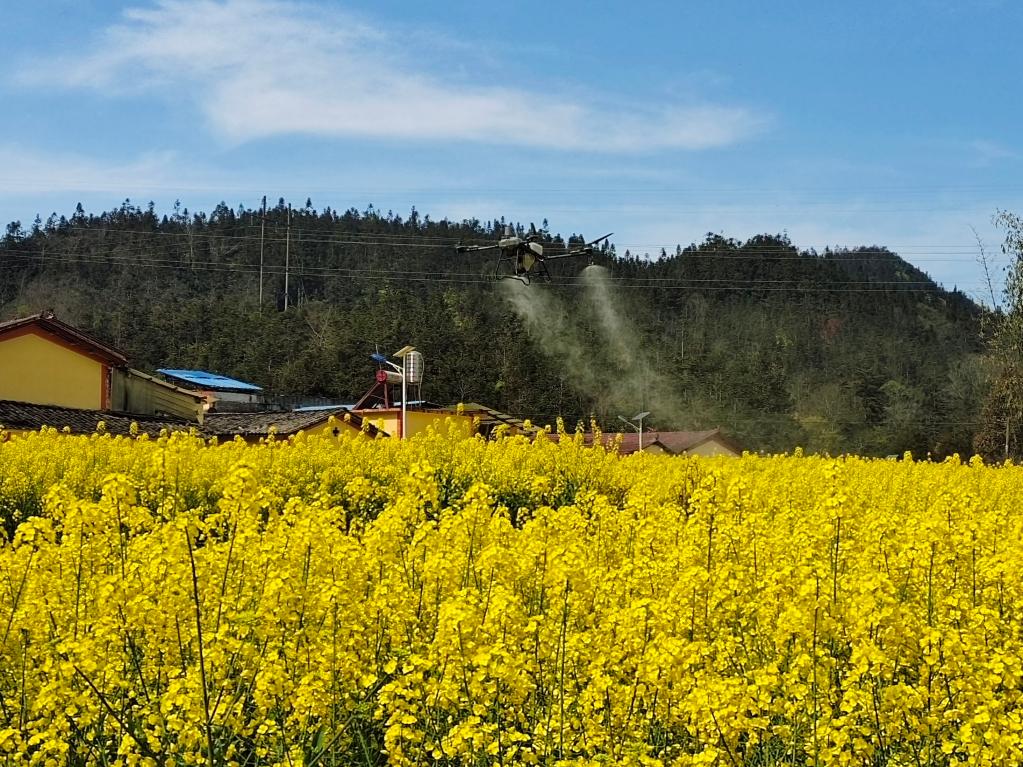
x: 611, y: 366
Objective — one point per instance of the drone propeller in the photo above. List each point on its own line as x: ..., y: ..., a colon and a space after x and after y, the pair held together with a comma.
x: 582, y: 250
x: 599, y: 239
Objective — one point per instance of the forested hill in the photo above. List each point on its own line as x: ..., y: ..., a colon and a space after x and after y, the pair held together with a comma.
x: 854, y: 350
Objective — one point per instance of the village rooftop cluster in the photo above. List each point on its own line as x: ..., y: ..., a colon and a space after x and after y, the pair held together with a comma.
x: 54, y: 374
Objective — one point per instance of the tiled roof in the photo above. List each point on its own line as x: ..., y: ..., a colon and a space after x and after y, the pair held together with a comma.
x: 29, y: 417
x: 284, y: 423
x: 48, y: 322
x: 680, y: 441
x: 672, y: 441
x: 23, y: 416
x: 490, y: 418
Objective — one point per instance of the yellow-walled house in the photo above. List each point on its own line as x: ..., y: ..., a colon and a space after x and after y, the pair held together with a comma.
x: 44, y: 361
x: 388, y: 420
x: 471, y: 418
x: 47, y: 362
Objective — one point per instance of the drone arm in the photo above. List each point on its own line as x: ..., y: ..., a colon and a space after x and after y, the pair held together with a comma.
x: 585, y: 250
x: 474, y: 248
x: 570, y: 254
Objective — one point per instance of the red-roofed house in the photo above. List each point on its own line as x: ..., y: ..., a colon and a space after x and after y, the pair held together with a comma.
x: 709, y: 442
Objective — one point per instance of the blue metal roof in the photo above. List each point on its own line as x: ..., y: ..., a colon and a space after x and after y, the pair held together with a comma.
x: 205, y: 380
x: 317, y: 408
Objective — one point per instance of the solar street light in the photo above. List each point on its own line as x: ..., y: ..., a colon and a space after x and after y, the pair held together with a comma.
x: 638, y: 417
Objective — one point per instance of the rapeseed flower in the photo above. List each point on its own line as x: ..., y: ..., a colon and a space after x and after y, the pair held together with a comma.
x: 452, y: 600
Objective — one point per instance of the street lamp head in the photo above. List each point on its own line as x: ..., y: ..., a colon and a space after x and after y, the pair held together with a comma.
x: 378, y: 357
x: 630, y: 424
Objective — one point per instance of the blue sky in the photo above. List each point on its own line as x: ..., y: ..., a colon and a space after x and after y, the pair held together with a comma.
x: 891, y: 123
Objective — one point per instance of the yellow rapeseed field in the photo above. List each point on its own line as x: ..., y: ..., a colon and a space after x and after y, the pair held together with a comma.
x: 457, y: 601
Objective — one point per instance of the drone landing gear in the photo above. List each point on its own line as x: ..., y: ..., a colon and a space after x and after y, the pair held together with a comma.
x: 513, y: 273
x: 522, y: 269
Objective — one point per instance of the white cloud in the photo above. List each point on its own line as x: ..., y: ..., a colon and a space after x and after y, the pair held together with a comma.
x: 260, y: 68
x: 987, y: 153
x: 25, y: 171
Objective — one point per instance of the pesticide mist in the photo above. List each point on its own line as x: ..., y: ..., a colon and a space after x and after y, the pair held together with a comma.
x: 599, y: 350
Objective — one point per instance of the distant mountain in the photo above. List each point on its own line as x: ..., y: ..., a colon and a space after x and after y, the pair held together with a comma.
x: 849, y: 350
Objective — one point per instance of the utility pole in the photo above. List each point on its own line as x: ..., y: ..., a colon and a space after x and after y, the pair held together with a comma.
x: 262, y: 230
x: 287, y: 257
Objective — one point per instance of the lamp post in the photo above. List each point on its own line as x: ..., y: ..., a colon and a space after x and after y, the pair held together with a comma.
x: 638, y: 417
x: 403, y: 372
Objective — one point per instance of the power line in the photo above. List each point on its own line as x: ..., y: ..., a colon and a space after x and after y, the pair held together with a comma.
x: 698, y: 284
x: 128, y: 259
x: 347, y: 233
x: 450, y: 241
x: 383, y: 238
x: 651, y: 280
x: 942, y: 253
